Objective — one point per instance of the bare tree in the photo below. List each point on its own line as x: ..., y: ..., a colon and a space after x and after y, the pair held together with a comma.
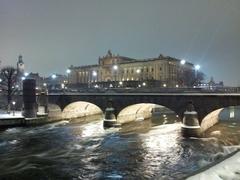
x: 8, y: 81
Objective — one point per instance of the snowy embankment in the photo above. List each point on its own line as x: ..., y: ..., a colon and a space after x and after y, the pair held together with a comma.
x: 17, y: 114
x: 226, y: 169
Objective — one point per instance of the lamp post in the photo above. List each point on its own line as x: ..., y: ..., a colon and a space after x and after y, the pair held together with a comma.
x: 115, y: 69
x: 138, y: 71
x: 182, y: 78
x: 68, y: 71
x: 13, y: 103
x: 196, y: 67
x: 94, y: 75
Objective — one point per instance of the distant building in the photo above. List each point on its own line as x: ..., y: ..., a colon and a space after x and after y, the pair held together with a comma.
x: 116, y: 71
x: 212, y: 85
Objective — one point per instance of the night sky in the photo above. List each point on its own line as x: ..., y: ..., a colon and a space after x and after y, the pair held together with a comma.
x: 54, y: 34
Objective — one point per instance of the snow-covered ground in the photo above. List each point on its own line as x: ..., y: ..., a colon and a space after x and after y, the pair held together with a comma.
x: 5, y: 115
x: 228, y: 169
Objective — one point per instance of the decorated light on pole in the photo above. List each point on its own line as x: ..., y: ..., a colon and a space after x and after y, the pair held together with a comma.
x: 13, y: 103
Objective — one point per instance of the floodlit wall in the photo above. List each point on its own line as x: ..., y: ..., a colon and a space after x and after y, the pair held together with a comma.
x: 136, y: 112
x: 210, y: 120
x: 80, y: 109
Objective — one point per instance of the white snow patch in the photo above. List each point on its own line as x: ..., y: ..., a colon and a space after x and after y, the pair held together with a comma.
x: 227, y: 169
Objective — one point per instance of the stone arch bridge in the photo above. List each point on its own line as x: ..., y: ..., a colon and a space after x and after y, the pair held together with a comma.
x: 204, y: 103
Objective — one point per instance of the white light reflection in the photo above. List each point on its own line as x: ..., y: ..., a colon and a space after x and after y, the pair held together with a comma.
x: 162, y: 139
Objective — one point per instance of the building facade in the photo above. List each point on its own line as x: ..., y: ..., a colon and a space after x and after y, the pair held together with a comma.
x: 116, y: 71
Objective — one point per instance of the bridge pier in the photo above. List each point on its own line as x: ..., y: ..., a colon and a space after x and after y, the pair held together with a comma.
x: 109, y: 117
x: 190, y: 126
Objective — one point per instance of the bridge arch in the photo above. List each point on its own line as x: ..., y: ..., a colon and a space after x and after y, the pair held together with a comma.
x: 80, y: 109
x: 139, y: 112
x: 221, y: 114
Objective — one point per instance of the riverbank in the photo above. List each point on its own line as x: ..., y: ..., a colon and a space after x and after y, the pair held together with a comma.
x: 17, y: 119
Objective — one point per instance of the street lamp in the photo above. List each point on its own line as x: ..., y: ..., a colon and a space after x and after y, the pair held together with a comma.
x: 68, y: 71
x: 94, y: 74
x: 13, y: 103
x: 0, y: 80
x: 54, y: 76
x: 26, y: 74
x: 183, y: 62
x: 196, y: 67
x: 115, y: 68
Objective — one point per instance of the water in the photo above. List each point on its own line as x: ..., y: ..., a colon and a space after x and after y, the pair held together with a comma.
x: 85, y: 150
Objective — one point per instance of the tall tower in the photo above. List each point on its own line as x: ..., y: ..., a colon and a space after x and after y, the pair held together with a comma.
x: 20, y: 65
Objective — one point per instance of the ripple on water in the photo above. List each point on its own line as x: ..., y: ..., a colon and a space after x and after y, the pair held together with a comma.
x: 12, y: 130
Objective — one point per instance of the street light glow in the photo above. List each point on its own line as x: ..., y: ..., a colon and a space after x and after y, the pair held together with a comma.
x: 94, y: 73
x: 138, y: 71
x: 197, y: 67
x: 26, y: 74
x: 54, y: 76
x: 68, y: 71
x: 23, y: 78
x: 183, y: 62
x: 0, y: 80
x: 115, y: 67
x: 164, y: 85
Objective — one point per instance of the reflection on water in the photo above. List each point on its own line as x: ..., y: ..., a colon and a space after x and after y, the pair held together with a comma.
x: 83, y: 149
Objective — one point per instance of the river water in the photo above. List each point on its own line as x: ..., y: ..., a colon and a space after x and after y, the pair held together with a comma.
x: 83, y: 149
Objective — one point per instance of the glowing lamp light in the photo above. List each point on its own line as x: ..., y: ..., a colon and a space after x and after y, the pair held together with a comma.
x: 94, y: 73
x: 115, y: 67
x: 68, y: 71
x: 197, y: 67
x: 26, y: 74
x: 54, y: 76
x: 183, y: 62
